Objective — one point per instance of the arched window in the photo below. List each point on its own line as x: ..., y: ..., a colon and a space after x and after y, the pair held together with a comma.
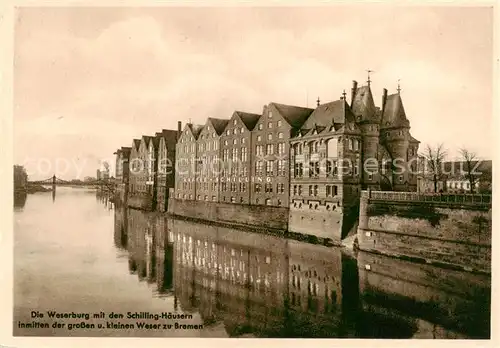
x: 332, y: 148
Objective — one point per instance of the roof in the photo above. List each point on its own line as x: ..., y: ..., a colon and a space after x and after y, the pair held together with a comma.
x: 249, y: 119
x: 394, y: 113
x: 294, y: 115
x: 326, y: 115
x: 137, y: 143
x: 195, y: 129
x: 219, y: 124
x: 413, y: 140
x: 147, y: 139
x: 363, y: 104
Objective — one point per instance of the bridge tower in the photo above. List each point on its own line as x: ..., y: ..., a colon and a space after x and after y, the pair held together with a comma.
x: 54, y: 183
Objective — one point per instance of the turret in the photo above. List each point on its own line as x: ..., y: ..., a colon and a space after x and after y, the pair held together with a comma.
x: 395, y: 134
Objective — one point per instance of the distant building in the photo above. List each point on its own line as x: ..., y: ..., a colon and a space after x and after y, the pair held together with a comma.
x: 186, y: 157
x: 98, y: 175
x: 165, y: 165
x: 236, y: 158
x: 209, y: 163
x: 456, y: 176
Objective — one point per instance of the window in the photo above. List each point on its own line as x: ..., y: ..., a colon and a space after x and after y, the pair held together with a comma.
x: 328, y: 190
x: 243, y: 187
x: 279, y: 202
x: 280, y: 135
x: 225, y: 142
x: 315, y: 190
x: 328, y: 168
x: 279, y: 123
x: 269, y: 167
x: 270, y: 114
x: 258, y: 188
x: 259, y: 167
x: 269, y: 149
x: 259, y: 150
x: 335, y: 190
x: 228, y: 132
x: 351, y: 142
x: 213, y: 199
x: 280, y: 188
x: 269, y: 125
x: 242, y: 130
x: 313, y: 169
x: 310, y: 190
x: 269, y: 136
x: 206, y: 198
x: 299, y: 170
x: 400, y: 178
x: 370, y: 176
x: 269, y: 187
x: 281, y: 168
x: 294, y: 190
x: 243, y: 140
x: 235, y: 131
x: 300, y: 190
x: 268, y: 201
x: 259, y: 137
x: 235, y: 141
x: 243, y: 154
x: 260, y: 126
x: 233, y: 200
x: 281, y: 148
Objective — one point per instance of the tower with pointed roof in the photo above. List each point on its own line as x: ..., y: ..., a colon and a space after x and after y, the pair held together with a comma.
x: 367, y: 117
x: 396, y: 138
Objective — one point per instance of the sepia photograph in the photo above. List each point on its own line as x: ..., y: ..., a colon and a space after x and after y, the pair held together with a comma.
x: 253, y: 171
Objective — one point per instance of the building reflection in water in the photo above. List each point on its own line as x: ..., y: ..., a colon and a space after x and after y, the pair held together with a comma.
x: 265, y: 286
x: 20, y: 200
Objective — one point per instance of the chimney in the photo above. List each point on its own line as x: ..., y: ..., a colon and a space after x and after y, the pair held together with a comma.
x: 384, y: 99
x: 353, y: 90
x: 179, y: 128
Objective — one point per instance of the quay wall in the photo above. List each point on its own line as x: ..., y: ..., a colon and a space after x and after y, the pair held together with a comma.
x: 253, y: 215
x: 446, y: 233
x: 140, y: 201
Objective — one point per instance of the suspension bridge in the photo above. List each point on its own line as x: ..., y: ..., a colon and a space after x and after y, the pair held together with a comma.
x: 55, y: 181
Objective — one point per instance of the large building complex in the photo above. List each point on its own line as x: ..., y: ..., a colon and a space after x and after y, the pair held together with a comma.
x: 314, y: 161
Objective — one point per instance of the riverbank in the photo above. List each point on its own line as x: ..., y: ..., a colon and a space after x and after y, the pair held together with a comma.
x: 32, y: 189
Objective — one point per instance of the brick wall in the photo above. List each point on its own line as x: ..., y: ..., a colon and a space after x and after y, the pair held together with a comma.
x: 261, y: 216
x: 454, y: 236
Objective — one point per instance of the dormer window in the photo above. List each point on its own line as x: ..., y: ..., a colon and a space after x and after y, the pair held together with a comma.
x: 235, y: 122
x: 260, y: 126
x: 270, y: 114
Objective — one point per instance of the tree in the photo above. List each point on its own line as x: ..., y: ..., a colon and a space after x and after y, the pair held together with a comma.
x: 471, y: 163
x: 434, y: 161
x: 20, y: 177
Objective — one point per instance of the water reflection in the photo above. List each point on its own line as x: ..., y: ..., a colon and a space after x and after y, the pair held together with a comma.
x: 263, y: 286
x: 20, y: 200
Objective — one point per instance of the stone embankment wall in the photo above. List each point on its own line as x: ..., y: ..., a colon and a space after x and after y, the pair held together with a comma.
x: 251, y: 215
x: 447, y: 231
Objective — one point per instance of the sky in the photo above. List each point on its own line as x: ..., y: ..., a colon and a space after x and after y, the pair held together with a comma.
x: 89, y: 80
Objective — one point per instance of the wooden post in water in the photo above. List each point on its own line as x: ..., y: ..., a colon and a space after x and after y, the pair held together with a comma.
x: 54, y: 183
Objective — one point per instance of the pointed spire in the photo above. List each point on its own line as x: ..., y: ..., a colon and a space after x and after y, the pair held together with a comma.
x: 399, y: 86
x: 343, y: 94
x: 317, y: 102
x: 369, y: 81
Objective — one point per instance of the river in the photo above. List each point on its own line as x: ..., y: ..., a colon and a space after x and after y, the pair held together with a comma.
x: 76, y: 254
